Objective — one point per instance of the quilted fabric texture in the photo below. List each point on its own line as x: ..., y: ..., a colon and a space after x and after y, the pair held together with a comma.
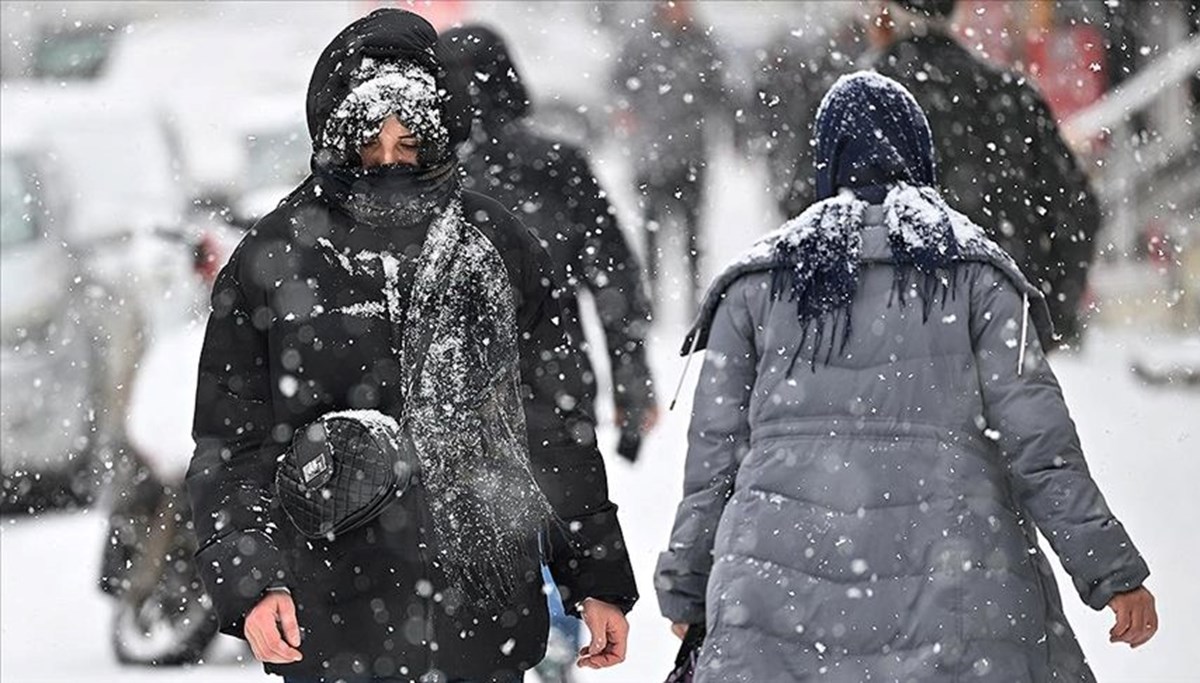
x: 875, y: 517
x: 342, y: 470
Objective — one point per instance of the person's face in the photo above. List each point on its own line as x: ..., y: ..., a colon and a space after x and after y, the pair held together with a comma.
x: 395, y: 144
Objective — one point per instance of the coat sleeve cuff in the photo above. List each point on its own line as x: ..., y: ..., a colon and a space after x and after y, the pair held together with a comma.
x: 681, y: 593
x: 1098, y: 594
x: 621, y: 602
x: 595, y: 565
x: 237, y: 570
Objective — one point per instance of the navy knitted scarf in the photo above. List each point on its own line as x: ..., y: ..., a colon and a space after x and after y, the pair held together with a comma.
x: 873, y: 146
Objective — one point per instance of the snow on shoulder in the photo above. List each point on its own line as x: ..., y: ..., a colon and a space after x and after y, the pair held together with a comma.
x: 922, y: 230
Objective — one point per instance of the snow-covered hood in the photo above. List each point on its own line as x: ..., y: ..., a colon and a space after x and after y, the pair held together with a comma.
x: 385, y: 34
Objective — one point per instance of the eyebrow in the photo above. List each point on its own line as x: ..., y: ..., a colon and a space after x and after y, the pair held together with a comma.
x: 403, y: 138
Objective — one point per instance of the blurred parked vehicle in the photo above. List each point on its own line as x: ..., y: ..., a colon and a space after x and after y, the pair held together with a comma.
x: 91, y: 177
x: 234, y: 75
x: 74, y: 51
x: 274, y: 156
x: 48, y: 372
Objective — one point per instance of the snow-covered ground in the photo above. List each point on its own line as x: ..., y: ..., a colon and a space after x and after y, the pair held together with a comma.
x: 1143, y: 445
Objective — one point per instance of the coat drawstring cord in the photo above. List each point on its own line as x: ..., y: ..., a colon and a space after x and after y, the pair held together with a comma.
x: 1024, y: 332
x: 686, y: 363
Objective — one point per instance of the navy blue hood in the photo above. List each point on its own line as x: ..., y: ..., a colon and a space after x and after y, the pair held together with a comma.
x: 871, y: 134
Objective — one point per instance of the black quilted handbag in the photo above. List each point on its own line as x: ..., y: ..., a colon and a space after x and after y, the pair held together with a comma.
x: 342, y: 470
x: 346, y: 466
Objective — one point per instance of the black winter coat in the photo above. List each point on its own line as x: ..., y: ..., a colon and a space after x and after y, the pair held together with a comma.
x: 277, y: 355
x: 268, y: 367
x: 549, y: 184
x: 1003, y: 163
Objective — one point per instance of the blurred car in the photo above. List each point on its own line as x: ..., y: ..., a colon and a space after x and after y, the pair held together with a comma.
x: 90, y: 180
x: 74, y: 51
x: 47, y: 370
x: 210, y: 77
x: 274, y: 155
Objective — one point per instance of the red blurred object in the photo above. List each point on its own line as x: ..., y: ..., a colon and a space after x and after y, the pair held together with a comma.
x: 441, y: 13
x: 208, y: 258
x: 1158, y: 244
x: 1067, y: 61
x: 1068, y: 65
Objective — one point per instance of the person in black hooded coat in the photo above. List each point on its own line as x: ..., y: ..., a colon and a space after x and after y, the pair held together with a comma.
x: 1006, y: 164
x: 550, y: 185
x: 294, y: 335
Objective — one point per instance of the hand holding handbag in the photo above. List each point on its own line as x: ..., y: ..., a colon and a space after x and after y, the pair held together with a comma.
x: 689, y: 654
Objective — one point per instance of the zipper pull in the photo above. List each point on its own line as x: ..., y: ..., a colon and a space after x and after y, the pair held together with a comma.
x: 686, y: 364
x: 1024, y: 332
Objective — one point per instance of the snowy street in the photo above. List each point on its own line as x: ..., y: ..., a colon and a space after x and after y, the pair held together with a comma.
x: 1142, y: 444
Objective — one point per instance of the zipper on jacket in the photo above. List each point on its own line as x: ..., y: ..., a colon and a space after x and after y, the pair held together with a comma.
x: 424, y: 549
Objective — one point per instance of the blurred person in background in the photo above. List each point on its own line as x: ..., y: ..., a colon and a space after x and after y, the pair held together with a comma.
x: 793, y: 72
x: 1004, y: 163
x: 668, y: 83
x: 550, y: 186
x: 379, y: 290
x: 876, y: 439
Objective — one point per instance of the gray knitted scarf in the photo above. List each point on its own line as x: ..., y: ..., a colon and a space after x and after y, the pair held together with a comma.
x: 466, y: 413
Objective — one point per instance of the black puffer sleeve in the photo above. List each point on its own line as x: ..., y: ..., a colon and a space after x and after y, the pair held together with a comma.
x: 613, y: 275
x: 230, y: 477
x: 588, y: 557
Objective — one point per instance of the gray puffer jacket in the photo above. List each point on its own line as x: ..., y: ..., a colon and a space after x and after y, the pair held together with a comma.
x: 874, y: 518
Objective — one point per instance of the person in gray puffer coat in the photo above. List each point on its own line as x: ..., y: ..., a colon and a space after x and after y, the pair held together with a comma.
x: 877, y: 437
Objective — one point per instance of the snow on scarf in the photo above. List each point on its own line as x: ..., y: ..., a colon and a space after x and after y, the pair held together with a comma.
x: 873, y: 144
x: 467, y: 416
x: 873, y: 147
x: 817, y: 257
x: 465, y: 411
